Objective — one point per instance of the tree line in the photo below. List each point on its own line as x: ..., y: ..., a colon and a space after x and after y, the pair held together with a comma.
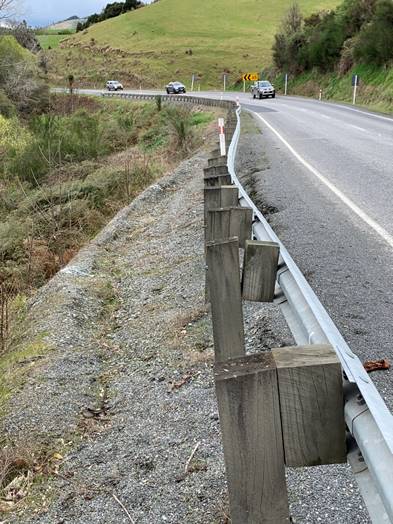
x: 358, y: 31
x: 109, y: 11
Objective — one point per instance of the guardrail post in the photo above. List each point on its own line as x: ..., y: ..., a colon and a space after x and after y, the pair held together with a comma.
x: 229, y: 222
x: 223, y: 276
x: 217, y: 180
x: 311, y: 401
x: 249, y: 409
x: 217, y: 197
x: 217, y: 161
x: 260, y: 270
x: 216, y: 170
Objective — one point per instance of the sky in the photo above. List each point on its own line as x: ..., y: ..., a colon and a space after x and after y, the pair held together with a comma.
x: 44, y: 12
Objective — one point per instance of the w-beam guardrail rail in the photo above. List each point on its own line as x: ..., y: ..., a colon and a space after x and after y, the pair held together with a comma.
x: 368, y: 420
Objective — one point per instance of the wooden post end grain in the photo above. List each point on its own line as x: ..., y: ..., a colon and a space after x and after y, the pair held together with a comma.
x: 259, y: 270
x: 248, y: 402
x: 223, y: 277
x: 312, y: 405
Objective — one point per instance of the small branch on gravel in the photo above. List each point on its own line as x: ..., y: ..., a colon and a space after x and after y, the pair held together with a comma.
x: 191, y: 457
x: 124, y: 508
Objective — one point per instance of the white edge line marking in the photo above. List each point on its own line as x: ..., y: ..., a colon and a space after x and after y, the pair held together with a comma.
x: 389, y: 119
x: 347, y: 201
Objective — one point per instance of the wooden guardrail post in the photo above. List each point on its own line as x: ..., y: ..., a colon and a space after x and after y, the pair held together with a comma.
x: 223, y: 196
x: 217, y: 180
x: 260, y: 270
x: 249, y: 409
x: 311, y: 400
x: 223, y: 277
x: 229, y: 222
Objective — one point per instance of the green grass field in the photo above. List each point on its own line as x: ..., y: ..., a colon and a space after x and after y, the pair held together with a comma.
x: 172, y: 39
x: 50, y: 41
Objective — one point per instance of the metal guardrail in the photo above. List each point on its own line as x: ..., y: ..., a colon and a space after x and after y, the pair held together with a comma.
x: 367, y: 417
x: 227, y: 104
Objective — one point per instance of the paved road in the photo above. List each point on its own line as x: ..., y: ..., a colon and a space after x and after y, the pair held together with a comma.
x: 331, y: 177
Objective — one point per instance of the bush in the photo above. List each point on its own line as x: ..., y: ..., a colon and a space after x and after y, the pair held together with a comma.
x: 375, y: 42
x: 7, y: 108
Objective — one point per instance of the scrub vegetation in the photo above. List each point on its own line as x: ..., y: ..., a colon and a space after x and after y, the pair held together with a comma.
x: 324, y: 50
x: 67, y: 165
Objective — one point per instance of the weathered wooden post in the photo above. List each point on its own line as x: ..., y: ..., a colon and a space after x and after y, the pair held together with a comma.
x: 311, y: 400
x: 249, y: 409
x: 229, y: 222
x: 260, y: 270
x: 217, y: 180
x: 223, y: 277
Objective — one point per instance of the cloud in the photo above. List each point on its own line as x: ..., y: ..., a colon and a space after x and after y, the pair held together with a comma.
x: 44, y: 12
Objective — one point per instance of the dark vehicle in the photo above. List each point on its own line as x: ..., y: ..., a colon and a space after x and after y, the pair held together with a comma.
x: 263, y: 89
x: 175, y: 88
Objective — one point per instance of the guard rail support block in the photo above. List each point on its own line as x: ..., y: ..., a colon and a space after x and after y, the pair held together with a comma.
x: 223, y: 196
x: 229, y: 222
x: 249, y: 409
x: 223, y: 276
x: 217, y: 180
x: 312, y: 405
x: 260, y: 270
x: 215, y: 170
x: 217, y: 161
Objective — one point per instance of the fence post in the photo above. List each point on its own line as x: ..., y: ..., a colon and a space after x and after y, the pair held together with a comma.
x: 249, y: 409
x: 223, y: 277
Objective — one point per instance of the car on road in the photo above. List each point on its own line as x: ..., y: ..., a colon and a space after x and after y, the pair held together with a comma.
x: 114, y: 85
x: 175, y: 88
x: 263, y: 89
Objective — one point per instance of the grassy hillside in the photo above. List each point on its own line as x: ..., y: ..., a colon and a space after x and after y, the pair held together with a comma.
x: 175, y: 38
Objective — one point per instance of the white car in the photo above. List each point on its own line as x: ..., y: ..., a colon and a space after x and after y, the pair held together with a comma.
x: 114, y: 85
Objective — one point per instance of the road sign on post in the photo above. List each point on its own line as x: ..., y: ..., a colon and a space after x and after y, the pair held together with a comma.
x: 224, y: 77
x: 355, y: 84
x: 250, y: 77
x: 222, y: 136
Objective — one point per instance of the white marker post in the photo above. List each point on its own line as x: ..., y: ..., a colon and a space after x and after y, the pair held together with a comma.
x: 222, y: 136
x: 286, y: 84
x: 225, y: 82
x: 192, y: 82
x: 244, y: 85
x: 355, y: 83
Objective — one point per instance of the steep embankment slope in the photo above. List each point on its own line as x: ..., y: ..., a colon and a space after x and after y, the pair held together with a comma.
x: 175, y: 38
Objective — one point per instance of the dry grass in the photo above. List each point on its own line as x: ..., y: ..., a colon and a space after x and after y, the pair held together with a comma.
x: 20, y: 466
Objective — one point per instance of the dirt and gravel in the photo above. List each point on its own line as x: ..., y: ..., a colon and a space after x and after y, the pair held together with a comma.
x: 125, y: 392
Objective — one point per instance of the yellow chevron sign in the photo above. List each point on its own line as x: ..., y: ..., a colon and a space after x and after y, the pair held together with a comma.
x: 252, y: 77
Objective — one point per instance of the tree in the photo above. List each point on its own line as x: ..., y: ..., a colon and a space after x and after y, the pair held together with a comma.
x: 292, y: 21
x: 8, y: 9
